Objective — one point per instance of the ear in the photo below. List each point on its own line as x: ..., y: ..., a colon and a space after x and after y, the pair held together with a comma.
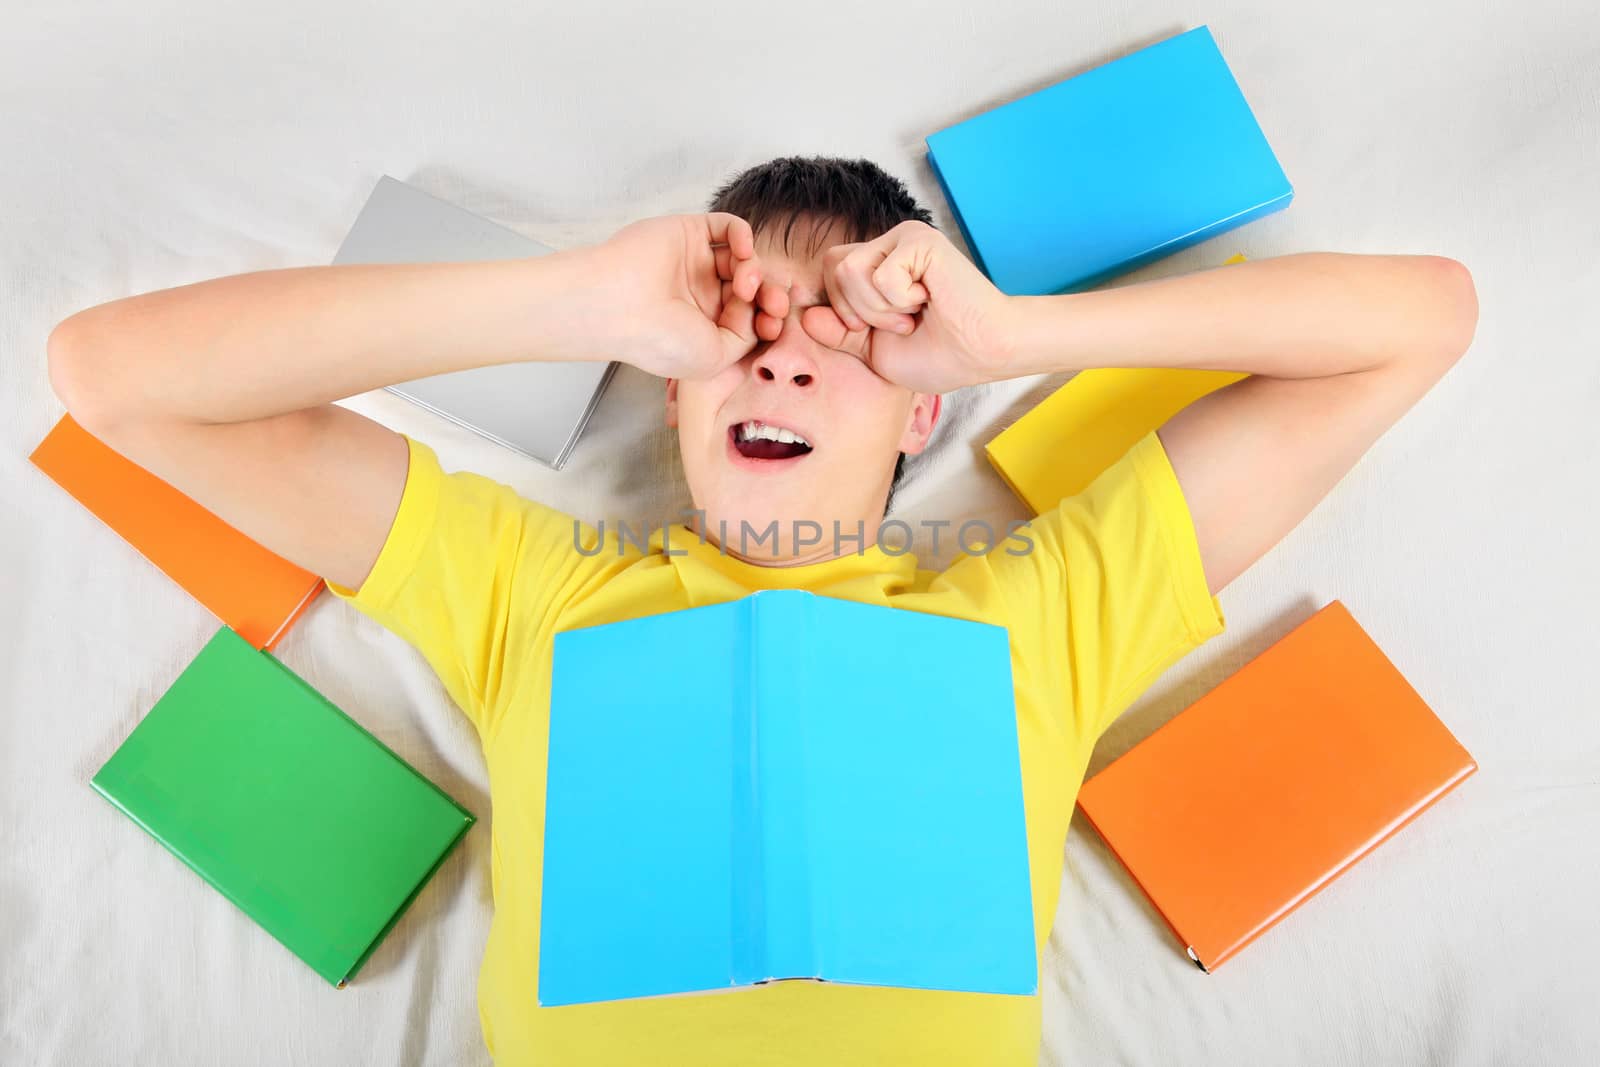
x: 924, y: 416
x: 672, y: 402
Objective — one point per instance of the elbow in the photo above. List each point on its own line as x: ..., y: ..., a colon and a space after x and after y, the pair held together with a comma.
x: 76, y: 374
x: 64, y: 352
x: 1458, y: 303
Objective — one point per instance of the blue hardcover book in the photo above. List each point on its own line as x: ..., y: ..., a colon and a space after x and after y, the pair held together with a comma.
x: 1107, y: 171
x: 783, y: 786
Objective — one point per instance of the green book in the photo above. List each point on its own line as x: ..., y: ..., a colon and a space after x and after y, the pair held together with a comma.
x: 311, y: 825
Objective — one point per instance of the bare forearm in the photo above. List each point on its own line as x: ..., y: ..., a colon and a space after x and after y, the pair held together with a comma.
x: 255, y: 345
x: 1300, y: 316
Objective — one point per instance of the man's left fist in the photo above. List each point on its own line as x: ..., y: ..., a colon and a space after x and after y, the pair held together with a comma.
x: 916, y: 310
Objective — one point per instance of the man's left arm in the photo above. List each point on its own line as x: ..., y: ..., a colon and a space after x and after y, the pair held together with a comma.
x: 1338, y: 348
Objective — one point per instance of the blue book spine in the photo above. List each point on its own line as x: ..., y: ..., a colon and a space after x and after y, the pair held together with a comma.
x: 748, y: 897
x: 773, y: 894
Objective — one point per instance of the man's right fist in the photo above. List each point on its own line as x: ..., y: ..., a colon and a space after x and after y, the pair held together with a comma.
x: 685, y: 291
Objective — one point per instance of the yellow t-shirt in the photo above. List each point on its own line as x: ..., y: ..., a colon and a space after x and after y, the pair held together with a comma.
x: 1108, y: 594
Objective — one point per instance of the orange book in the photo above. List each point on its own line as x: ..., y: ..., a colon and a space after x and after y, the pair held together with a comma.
x: 1273, y: 784
x: 256, y: 592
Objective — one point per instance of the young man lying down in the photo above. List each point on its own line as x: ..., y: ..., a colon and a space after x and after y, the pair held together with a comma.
x: 806, y: 327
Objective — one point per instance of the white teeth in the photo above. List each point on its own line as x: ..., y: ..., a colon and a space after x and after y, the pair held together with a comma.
x: 753, y: 430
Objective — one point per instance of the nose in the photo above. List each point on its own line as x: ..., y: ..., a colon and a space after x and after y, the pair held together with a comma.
x: 786, y: 359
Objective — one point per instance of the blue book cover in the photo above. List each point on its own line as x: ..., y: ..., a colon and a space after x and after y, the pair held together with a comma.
x: 783, y: 786
x: 1102, y: 173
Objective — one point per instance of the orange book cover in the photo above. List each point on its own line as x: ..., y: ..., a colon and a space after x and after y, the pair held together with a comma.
x: 256, y: 592
x: 1258, y: 795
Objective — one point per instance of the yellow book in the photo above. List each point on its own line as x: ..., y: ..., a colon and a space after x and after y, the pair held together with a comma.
x: 1063, y: 444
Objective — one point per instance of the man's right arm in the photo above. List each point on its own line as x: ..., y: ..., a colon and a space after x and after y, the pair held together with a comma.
x: 224, y: 388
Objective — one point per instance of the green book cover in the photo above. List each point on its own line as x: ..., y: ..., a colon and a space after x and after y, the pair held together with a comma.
x: 311, y: 825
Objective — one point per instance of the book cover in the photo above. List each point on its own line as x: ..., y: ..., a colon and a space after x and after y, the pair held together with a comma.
x: 536, y: 407
x: 1276, y: 782
x: 256, y: 592
x: 1104, y: 172
x: 284, y: 804
x: 783, y: 786
x: 1068, y: 440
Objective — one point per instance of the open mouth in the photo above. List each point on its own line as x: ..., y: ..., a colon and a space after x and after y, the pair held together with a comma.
x: 758, y: 440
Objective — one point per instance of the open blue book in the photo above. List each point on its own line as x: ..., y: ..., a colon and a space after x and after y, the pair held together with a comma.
x: 1104, y: 172
x: 783, y: 786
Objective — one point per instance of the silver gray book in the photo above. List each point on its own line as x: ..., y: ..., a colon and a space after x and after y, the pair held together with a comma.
x: 539, y: 408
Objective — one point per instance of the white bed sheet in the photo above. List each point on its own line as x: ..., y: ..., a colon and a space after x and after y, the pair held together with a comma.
x: 149, y: 145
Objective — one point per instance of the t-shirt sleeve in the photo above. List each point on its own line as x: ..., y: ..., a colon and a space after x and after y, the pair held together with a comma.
x: 471, y: 574
x: 1111, y: 590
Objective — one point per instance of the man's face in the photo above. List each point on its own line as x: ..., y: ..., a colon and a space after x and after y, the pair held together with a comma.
x: 853, y: 424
